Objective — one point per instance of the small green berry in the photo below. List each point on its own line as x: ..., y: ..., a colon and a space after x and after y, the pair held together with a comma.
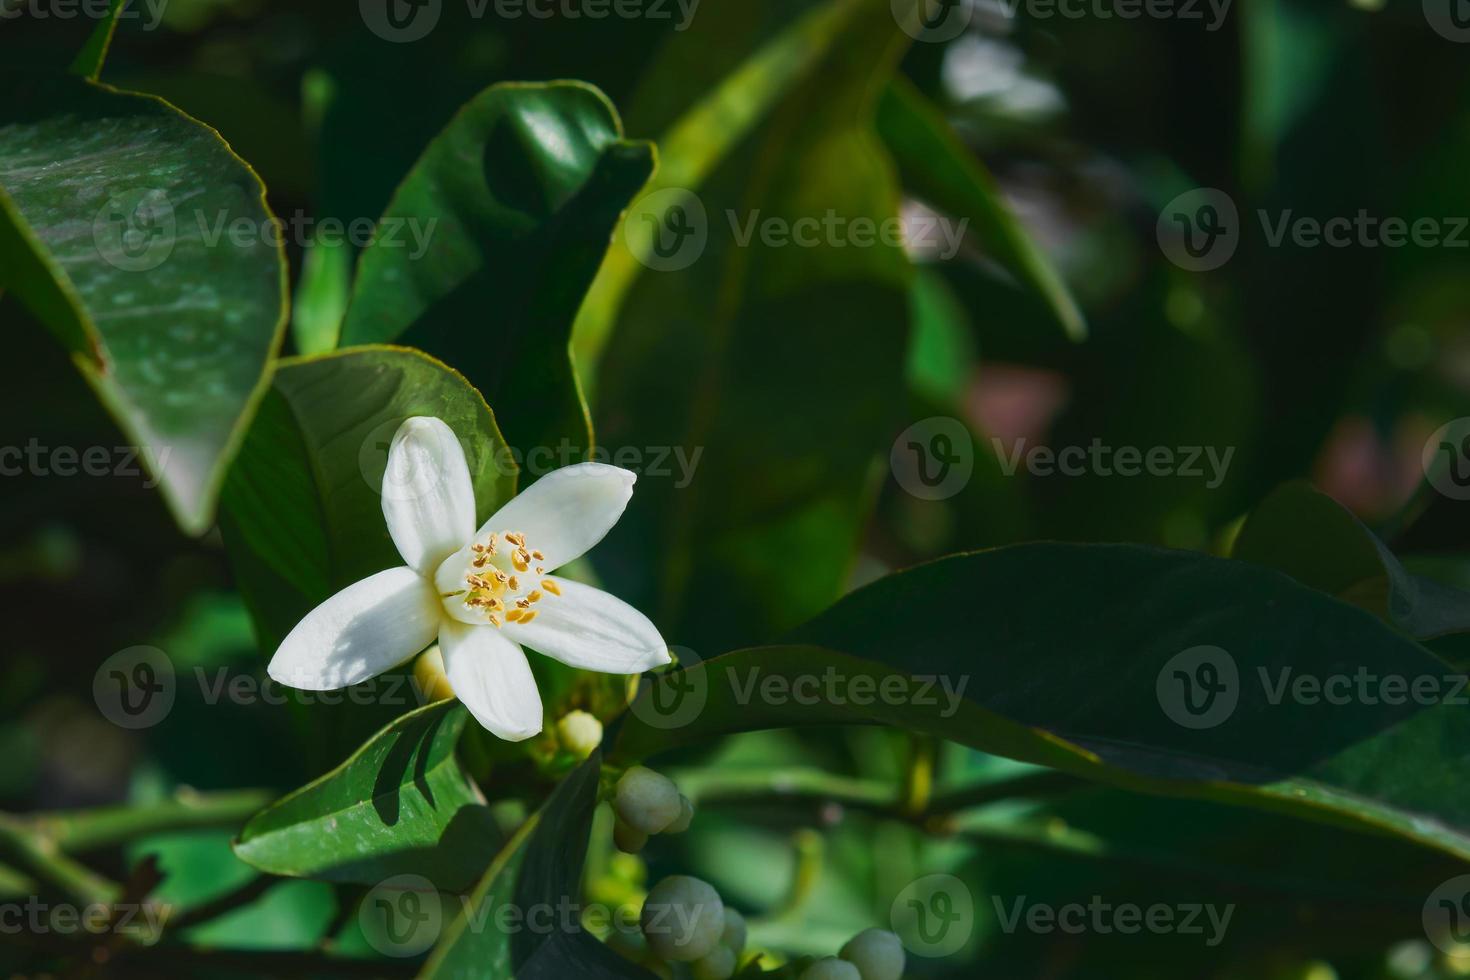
x: 734, y: 935
x: 718, y: 964
x: 877, y: 954
x: 579, y: 733
x: 629, y: 839
x: 683, y: 919
x: 831, y: 968
x: 684, y: 819
x: 646, y: 800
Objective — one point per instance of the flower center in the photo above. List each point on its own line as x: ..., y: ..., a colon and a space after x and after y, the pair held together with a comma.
x: 500, y: 581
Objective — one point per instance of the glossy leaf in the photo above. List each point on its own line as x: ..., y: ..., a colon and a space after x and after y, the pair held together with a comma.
x: 539, y: 873
x: 939, y: 170
x: 500, y: 228
x: 765, y: 530
x: 1064, y: 655
x: 400, y: 805
x: 115, y: 210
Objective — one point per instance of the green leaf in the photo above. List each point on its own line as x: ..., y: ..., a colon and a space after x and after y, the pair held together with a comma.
x: 699, y: 134
x: 780, y: 406
x: 1066, y: 657
x: 1314, y: 539
x: 88, y: 62
x: 400, y: 805
x: 109, y: 204
x: 937, y: 168
x: 540, y: 869
x: 512, y: 207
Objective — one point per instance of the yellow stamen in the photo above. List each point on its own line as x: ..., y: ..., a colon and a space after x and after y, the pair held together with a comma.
x: 494, y: 620
x: 514, y: 615
x: 533, y: 597
x: 550, y: 586
x: 528, y: 617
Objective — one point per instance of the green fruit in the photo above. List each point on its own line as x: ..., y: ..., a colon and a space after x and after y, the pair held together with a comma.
x: 877, y: 954
x: 683, y: 919
x: 646, y: 800
x: 718, y: 964
x: 734, y: 935
x: 831, y: 968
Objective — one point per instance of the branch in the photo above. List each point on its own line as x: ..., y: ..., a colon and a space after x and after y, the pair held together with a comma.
x: 85, y: 830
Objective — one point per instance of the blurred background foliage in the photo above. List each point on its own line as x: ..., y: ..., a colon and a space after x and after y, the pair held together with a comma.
x: 1329, y: 364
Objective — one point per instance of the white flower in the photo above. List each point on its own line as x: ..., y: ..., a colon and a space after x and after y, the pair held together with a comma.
x: 481, y: 593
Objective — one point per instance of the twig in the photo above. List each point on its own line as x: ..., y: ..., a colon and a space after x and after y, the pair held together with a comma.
x: 86, y: 830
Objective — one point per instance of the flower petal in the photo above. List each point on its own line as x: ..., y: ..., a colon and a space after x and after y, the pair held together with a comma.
x: 567, y: 511
x: 490, y: 675
x: 589, y: 628
x: 360, y: 632
x: 428, y: 499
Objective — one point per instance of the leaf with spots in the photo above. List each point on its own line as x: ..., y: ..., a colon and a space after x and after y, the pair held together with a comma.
x: 116, y: 213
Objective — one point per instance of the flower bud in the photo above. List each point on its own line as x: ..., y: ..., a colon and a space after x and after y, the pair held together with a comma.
x: 579, y: 733
x: 684, y: 819
x: 646, y: 800
x: 717, y: 964
x: 734, y: 935
x: 628, y: 839
x: 429, y: 676
x: 831, y: 968
x: 683, y: 919
x: 877, y: 954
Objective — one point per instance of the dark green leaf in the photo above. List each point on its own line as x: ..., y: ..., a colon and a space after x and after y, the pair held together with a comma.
x: 512, y: 207
x: 400, y: 805
x: 109, y: 207
x: 540, y: 873
x: 938, y: 169
x: 89, y: 60
x: 1066, y: 654
x: 1314, y: 539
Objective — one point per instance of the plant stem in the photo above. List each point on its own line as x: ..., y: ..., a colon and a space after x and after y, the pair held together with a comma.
x: 85, y: 830
x: 39, y: 856
x: 816, y: 787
